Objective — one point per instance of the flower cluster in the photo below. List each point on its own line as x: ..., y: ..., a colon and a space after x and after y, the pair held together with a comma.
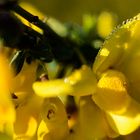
x: 105, y: 97
x: 109, y: 95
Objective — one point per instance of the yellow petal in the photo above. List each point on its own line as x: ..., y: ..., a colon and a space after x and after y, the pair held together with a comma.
x: 43, y: 131
x: 22, y: 83
x: 111, y: 93
x: 80, y: 82
x: 54, y: 115
x: 26, y: 122
x: 126, y: 122
x: 92, y: 121
x: 52, y: 88
x: 27, y: 117
x: 6, y: 107
x: 5, y: 74
x: 52, y: 111
x: 83, y: 81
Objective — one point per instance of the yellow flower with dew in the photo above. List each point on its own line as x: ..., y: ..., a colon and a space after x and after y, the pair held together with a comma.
x: 119, y: 59
x: 113, y: 82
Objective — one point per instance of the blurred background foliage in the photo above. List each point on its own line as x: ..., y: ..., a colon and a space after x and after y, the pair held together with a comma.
x: 73, y: 10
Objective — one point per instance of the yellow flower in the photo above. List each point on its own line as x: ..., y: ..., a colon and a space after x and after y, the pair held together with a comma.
x: 113, y: 82
x: 7, y: 111
x: 18, y: 118
x: 27, y: 104
x: 116, y: 67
